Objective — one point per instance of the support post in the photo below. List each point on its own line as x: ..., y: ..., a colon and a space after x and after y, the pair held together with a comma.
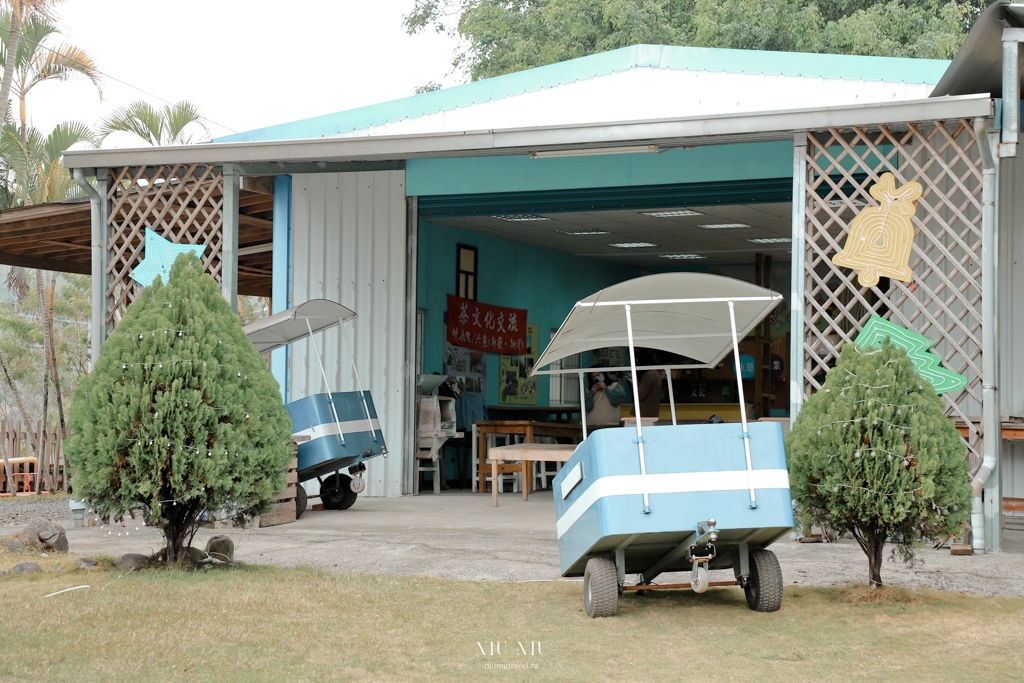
x: 282, y: 264
x: 229, y: 245
x: 411, y: 266
x: 796, y: 293
x: 99, y: 211
x: 636, y: 409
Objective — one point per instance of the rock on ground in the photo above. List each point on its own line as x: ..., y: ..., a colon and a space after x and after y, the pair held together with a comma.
x: 87, y: 563
x: 43, y: 534
x: 130, y: 561
x: 26, y: 568
x: 221, y: 547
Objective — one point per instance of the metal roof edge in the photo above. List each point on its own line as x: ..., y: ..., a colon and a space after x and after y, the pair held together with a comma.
x: 695, y: 130
x: 801, y: 64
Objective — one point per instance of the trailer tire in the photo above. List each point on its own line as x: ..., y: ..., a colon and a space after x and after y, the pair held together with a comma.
x: 336, y: 494
x: 300, y: 500
x: 764, y: 585
x: 600, y: 588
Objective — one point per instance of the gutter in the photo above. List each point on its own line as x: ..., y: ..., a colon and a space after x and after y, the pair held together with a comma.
x: 667, y: 133
x: 990, y: 420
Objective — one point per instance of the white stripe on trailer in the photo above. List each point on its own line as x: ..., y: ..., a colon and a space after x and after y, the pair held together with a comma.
x: 337, y: 428
x: 675, y: 482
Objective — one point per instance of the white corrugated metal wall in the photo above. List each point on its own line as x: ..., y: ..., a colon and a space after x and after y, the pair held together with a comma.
x: 1011, y: 317
x: 348, y: 245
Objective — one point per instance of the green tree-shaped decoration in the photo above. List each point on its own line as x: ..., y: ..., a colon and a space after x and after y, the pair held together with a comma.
x: 180, y: 413
x: 873, y: 453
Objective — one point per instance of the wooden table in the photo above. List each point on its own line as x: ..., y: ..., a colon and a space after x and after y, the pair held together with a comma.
x: 528, y: 429
x: 527, y: 453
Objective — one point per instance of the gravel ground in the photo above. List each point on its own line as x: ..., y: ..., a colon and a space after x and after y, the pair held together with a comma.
x: 460, y: 536
x: 20, y: 510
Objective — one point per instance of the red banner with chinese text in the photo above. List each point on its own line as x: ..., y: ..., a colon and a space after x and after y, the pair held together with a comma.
x: 494, y: 329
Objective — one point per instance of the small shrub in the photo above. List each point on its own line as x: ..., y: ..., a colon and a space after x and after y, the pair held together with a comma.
x: 873, y: 453
x: 180, y: 413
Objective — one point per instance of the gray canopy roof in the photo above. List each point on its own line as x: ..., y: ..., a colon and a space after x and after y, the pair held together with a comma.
x: 682, y: 313
x: 289, y: 326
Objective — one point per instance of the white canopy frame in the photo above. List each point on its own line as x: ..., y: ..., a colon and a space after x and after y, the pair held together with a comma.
x: 300, y: 322
x: 758, y: 303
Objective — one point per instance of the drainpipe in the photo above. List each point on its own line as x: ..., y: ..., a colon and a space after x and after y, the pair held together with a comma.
x: 990, y: 419
x: 96, y: 322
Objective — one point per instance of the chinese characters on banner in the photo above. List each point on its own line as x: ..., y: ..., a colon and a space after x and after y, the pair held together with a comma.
x: 493, y: 329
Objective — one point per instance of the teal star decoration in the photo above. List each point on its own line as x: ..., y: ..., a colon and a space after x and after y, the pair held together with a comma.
x: 916, y: 345
x: 160, y: 255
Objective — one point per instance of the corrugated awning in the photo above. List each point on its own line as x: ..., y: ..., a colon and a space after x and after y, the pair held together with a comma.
x: 978, y: 65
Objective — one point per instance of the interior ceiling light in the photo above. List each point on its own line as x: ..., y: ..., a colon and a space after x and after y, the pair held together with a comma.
x: 583, y: 232
x: 594, y: 151
x: 632, y: 245
x: 723, y: 226
x: 672, y: 214
x: 771, y: 240
x: 520, y: 218
x: 682, y: 257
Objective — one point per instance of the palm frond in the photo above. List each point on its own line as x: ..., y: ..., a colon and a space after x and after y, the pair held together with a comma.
x: 179, y: 115
x: 139, y: 118
x: 64, y: 63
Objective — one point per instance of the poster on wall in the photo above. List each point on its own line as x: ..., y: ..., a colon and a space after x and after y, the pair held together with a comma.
x: 466, y: 367
x: 482, y: 327
x: 516, y: 387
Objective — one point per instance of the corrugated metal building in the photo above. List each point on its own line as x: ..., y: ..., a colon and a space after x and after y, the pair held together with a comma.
x: 778, y: 143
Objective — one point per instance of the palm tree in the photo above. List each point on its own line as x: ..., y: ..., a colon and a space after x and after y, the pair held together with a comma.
x: 20, y: 11
x: 33, y: 162
x: 158, y: 127
x: 38, y: 62
x: 35, y: 174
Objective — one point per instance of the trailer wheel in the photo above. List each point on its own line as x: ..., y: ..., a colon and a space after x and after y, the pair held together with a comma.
x: 336, y: 492
x: 600, y: 588
x: 300, y: 500
x: 764, y: 585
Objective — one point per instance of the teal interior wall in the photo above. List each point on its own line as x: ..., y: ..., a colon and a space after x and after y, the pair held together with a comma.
x: 473, y: 175
x: 543, y: 281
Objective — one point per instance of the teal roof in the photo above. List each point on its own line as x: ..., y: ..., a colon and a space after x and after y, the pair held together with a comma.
x: 657, y: 56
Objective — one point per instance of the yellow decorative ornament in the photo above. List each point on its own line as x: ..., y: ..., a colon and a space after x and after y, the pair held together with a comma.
x: 881, y: 236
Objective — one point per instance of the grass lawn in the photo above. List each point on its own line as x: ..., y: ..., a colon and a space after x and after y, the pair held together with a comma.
x: 261, y: 623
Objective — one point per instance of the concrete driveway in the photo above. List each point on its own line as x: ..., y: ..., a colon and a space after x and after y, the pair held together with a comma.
x: 459, y: 535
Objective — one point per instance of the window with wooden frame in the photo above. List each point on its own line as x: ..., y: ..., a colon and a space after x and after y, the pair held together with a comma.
x: 465, y: 271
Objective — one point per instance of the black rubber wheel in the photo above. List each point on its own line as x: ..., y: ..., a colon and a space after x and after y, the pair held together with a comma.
x: 300, y: 500
x: 764, y: 585
x: 600, y: 588
x: 335, y: 492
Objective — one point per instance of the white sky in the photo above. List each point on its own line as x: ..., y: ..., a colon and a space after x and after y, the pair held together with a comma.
x: 245, y: 63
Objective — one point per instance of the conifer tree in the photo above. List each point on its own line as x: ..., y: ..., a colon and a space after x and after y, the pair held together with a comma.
x: 873, y: 453
x: 180, y: 413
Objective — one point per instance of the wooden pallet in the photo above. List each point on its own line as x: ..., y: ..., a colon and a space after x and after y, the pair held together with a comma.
x: 283, y: 509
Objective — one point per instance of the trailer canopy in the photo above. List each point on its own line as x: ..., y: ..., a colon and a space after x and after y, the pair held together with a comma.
x: 290, y: 326
x: 682, y: 313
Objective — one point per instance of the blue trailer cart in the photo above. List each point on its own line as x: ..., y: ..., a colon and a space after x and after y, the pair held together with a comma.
x: 648, y: 500
x: 341, y: 430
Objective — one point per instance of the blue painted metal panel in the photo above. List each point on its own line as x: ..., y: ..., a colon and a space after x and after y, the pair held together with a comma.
x: 326, y: 452
x: 706, y: 164
x: 282, y: 271
x: 670, y: 450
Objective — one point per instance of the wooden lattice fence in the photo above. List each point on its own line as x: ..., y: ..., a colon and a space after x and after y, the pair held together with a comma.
x: 182, y: 203
x: 943, y: 301
x: 42, y: 442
